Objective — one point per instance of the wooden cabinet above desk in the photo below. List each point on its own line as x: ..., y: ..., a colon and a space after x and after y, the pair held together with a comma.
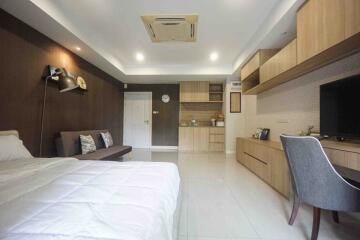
x: 327, y: 31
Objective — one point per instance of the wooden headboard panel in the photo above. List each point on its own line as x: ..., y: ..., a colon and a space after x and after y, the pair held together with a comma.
x: 10, y: 132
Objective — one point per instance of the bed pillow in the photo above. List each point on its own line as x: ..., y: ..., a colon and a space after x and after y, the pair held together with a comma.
x: 87, y: 144
x: 11, y: 147
x: 107, y: 138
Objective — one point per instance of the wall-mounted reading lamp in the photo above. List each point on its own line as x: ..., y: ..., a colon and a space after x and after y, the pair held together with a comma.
x: 66, y: 82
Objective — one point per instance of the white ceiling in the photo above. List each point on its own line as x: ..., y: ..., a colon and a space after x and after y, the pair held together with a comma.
x: 110, y: 32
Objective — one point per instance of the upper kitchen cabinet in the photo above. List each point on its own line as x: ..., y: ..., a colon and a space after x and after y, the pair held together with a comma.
x: 320, y: 25
x: 352, y: 17
x: 196, y: 91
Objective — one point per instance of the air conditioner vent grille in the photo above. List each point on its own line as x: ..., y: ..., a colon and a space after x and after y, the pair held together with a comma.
x: 171, y: 28
x: 170, y: 19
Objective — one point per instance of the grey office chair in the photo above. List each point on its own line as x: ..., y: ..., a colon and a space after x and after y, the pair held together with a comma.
x: 316, y: 182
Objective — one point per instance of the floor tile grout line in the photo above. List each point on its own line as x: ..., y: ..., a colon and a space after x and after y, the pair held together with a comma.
x: 241, y: 207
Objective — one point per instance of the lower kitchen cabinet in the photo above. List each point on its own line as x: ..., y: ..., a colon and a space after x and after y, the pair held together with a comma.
x: 186, y: 139
x: 201, y: 139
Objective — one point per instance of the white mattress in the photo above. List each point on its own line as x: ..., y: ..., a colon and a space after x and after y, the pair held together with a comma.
x: 65, y: 198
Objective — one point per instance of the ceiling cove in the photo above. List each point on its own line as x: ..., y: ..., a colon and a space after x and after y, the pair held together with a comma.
x: 224, y: 34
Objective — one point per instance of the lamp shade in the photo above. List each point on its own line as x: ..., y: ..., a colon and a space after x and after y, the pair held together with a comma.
x: 66, y: 82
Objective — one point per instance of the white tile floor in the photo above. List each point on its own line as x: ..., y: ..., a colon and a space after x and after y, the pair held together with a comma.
x: 223, y: 200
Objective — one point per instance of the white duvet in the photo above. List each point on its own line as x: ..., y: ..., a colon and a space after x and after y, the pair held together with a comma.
x: 71, y: 199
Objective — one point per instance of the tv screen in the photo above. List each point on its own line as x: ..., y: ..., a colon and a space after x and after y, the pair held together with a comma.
x: 340, y: 108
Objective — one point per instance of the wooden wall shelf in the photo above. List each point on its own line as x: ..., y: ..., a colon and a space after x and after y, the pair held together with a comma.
x: 251, y: 81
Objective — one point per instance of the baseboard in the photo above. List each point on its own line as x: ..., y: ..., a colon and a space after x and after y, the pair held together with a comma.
x: 165, y: 147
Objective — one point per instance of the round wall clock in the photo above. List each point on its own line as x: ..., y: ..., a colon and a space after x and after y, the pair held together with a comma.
x: 165, y: 98
x: 81, y: 82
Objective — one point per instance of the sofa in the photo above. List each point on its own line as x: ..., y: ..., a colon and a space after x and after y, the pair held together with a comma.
x: 68, y: 145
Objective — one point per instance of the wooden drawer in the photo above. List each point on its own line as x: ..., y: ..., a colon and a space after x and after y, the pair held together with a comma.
x: 217, y: 130
x: 216, y: 147
x: 217, y: 138
x: 247, y: 160
x: 353, y: 159
x: 260, y: 168
x: 257, y: 151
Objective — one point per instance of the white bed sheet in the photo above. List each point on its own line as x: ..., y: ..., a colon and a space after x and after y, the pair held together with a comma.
x: 64, y: 198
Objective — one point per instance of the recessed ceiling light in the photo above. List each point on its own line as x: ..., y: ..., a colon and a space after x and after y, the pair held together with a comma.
x: 214, y: 56
x: 140, y: 57
x: 78, y: 48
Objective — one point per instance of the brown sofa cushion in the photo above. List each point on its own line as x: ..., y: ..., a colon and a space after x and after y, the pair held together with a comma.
x: 69, y: 143
x: 105, y: 153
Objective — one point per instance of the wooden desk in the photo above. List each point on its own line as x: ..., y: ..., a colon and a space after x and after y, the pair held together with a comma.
x: 267, y: 160
x: 343, y: 154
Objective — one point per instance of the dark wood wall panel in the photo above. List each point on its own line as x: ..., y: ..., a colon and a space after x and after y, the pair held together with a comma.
x: 24, y: 54
x: 165, y: 124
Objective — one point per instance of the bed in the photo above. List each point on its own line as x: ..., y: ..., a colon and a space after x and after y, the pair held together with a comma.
x: 64, y: 198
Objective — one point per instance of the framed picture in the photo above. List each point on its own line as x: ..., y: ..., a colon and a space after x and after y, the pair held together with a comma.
x: 235, y: 102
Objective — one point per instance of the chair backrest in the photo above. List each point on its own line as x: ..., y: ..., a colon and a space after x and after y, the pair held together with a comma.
x: 315, y: 180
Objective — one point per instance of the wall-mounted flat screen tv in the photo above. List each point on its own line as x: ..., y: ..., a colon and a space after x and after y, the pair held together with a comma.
x: 340, y: 108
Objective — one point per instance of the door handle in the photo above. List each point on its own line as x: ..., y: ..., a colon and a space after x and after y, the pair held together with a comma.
x: 146, y: 121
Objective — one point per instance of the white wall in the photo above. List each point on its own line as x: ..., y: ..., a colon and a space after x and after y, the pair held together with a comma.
x: 234, y: 122
x: 290, y: 107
